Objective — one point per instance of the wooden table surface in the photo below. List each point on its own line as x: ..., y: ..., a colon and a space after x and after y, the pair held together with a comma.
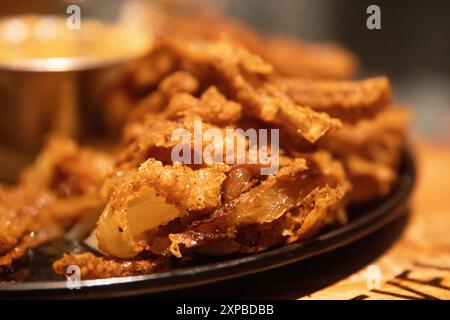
x: 409, y: 259
x: 417, y: 264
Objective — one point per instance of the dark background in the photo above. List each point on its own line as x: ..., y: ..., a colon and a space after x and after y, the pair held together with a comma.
x: 412, y: 47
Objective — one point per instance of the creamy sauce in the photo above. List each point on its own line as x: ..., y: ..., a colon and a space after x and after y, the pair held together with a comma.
x: 46, y: 41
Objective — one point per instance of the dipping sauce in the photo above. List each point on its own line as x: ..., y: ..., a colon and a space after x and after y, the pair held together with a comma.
x: 45, y: 43
x: 55, y: 80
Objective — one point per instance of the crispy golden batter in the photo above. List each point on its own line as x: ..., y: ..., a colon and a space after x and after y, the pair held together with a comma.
x: 212, y: 107
x: 340, y: 142
x: 289, y: 56
x: 166, y: 209
x: 67, y: 170
x: 322, y: 208
x: 73, y: 175
x: 295, y: 59
x: 270, y: 201
x: 247, y: 78
x: 25, y: 221
x: 175, y: 189
x: 153, y: 139
x: 177, y: 82
x: 346, y: 100
x: 94, y: 267
x: 274, y: 106
x: 371, y: 151
x: 60, y: 187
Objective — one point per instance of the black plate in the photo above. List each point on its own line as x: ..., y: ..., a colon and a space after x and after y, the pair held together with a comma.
x: 43, y: 283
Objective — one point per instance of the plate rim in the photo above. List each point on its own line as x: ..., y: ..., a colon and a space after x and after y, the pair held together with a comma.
x: 388, y: 210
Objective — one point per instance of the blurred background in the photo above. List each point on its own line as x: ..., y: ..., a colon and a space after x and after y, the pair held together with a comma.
x: 412, y: 48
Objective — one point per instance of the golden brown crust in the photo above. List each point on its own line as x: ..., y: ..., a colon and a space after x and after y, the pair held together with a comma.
x: 268, y: 205
x: 187, y: 188
x: 347, y: 100
x: 247, y: 77
x: 95, y: 267
x: 288, y: 55
x: 60, y: 187
x: 321, y: 61
x: 172, y: 84
x: 67, y: 170
x: 212, y: 107
x: 175, y: 190
x: 371, y: 151
x: 25, y: 221
x: 225, y: 85
x: 227, y: 77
